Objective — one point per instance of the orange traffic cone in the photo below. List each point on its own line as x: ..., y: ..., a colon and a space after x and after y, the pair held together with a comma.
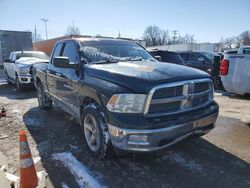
x: 28, y: 176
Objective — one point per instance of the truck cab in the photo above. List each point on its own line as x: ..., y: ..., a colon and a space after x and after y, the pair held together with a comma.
x: 122, y: 97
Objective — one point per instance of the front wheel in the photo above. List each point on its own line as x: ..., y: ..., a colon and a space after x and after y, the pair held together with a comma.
x: 19, y: 86
x: 95, y: 132
x: 43, y: 101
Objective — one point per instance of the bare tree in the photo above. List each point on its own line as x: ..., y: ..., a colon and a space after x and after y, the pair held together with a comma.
x: 244, y: 38
x: 185, y: 39
x: 164, y: 37
x: 72, y: 30
x: 152, y: 35
x: 229, y: 42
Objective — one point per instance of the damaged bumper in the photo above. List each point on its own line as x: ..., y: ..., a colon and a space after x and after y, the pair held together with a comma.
x: 156, y: 139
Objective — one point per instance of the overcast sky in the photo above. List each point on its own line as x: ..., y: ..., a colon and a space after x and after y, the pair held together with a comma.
x: 208, y: 20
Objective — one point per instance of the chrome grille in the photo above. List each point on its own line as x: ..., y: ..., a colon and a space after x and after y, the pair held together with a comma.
x: 179, y: 97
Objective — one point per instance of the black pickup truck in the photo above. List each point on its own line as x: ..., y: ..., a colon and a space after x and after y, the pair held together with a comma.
x: 122, y: 97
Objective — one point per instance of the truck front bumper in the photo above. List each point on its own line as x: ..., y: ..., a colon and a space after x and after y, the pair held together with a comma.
x: 157, y: 139
x: 25, y: 79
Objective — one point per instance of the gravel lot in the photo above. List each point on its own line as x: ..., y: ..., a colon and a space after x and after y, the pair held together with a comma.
x: 218, y: 159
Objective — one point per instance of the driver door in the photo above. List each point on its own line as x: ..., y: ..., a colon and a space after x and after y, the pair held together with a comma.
x: 67, y: 77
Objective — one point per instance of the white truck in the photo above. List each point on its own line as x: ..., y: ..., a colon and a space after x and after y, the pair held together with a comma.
x: 235, y: 71
x: 18, y: 67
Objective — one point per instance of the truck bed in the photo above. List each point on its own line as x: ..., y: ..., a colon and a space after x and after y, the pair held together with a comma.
x: 238, y: 77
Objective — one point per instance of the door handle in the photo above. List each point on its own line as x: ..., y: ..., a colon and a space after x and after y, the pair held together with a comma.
x: 58, y: 74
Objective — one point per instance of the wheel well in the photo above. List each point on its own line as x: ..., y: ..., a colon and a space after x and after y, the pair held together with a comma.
x: 38, y: 80
x: 86, y: 101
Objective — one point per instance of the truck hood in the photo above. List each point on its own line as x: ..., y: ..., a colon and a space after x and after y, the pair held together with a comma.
x: 142, y: 76
x: 31, y: 60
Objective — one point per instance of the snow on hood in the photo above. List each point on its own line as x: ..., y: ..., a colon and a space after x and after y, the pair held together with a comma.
x: 31, y: 60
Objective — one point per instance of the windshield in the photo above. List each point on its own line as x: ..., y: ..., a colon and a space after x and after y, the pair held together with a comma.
x: 208, y: 55
x: 40, y: 55
x: 113, y: 51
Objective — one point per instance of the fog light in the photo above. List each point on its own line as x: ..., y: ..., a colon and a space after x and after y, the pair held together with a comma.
x: 114, y: 131
x: 24, y: 79
x: 138, y: 140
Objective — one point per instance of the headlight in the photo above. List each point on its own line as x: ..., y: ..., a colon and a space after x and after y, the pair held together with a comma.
x: 127, y: 103
x: 23, y: 70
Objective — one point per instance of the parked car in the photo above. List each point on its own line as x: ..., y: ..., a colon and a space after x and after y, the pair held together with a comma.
x: 206, y: 61
x: 18, y: 67
x: 234, y: 71
x: 122, y: 97
x: 167, y: 56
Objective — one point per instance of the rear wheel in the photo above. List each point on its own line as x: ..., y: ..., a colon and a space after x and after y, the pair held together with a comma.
x: 8, y: 78
x: 44, y: 102
x: 95, y: 132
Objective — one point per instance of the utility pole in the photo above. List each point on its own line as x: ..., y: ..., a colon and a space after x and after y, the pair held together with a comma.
x: 45, y: 23
x: 175, y: 32
x: 119, y: 35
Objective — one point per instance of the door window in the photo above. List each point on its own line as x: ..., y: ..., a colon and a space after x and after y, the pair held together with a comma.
x: 70, y: 52
x: 57, y: 51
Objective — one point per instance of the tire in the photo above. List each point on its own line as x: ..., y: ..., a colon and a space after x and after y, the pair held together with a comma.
x: 44, y: 102
x: 95, y: 132
x: 8, y: 78
x: 19, y: 86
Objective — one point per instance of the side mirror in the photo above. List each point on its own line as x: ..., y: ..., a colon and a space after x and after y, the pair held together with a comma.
x: 158, y: 57
x: 63, y: 62
x: 201, y: 59
x: 8, y: 61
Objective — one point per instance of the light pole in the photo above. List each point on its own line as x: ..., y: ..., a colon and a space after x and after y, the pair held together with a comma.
x: 45, y: 22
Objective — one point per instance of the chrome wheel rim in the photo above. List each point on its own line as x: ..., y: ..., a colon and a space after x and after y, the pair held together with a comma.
x: 91, y: 132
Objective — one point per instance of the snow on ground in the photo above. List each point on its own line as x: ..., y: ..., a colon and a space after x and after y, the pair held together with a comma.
x: 36, y: 159
x: 81, y: 173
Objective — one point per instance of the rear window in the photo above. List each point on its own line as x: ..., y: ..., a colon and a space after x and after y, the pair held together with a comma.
x: 246, y: 51
x: 170, y: 57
